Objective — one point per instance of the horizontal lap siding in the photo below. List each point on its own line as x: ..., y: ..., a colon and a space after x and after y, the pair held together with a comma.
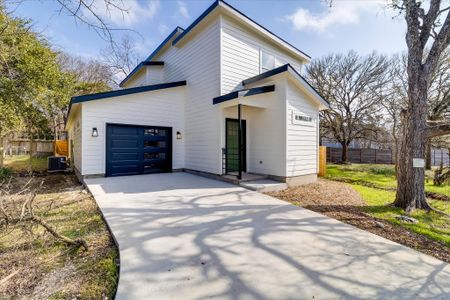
x: 75, y: 140
x: 198, y: 62
x: 302, y: 142
x: 241, y: 55
x: 138, y: 79
x: 154, y: 108
x: 155, y: 75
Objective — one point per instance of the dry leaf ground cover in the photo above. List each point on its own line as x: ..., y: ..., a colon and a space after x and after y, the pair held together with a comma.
x: 368, y: 209
x: 34, y: 265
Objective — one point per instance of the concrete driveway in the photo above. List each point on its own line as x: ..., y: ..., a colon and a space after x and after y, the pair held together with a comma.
x: 182, y: 236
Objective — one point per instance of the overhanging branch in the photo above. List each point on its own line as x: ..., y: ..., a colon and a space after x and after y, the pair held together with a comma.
x: 438, y: 128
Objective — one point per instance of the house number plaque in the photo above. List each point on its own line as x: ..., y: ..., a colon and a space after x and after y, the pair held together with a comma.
x: 418, y: 163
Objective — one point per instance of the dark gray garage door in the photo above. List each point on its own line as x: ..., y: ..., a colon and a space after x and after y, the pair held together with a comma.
x: 134, y: 150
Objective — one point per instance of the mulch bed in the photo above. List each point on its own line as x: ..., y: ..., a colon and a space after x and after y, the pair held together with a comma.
x: 340, y: 201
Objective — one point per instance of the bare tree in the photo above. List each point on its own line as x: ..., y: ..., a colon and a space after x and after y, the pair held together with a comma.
x: 87, y: 12
x: 354, y: 85
x: 121, y: 58
x: 425, y: 28
x: 86, y: 70
x: 438, y: 99
x: 395, y: 99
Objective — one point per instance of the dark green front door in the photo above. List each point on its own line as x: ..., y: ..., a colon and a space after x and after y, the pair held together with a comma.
x: 231, y: 145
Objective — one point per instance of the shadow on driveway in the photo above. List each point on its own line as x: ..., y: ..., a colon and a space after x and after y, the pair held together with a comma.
x: 182, y: 236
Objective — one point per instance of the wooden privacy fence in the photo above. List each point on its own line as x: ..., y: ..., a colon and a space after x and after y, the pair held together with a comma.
x: 322, y: 161
x: 439, y: 156
x: 61, y: 148
x: 381, y: 156
x: 22, y: 147
x: 361, y: 155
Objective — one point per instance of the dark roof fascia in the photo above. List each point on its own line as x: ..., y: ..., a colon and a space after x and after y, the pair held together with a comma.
x: 249, y: 92
x: 153, y: 63
x: 267, y: 74
x: 283, y: 40
x: 309, y: 84
x: 138, y: 67
x: 122, y: 92
x: 196, y: 21
x: 279, y: 70
x: 152, y: 55
x: 168, y: 38
x: 212, y: 7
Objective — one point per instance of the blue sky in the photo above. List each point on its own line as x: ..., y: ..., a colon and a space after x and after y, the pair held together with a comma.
x: 310, y: 25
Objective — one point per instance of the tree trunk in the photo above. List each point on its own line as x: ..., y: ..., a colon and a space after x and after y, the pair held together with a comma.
x: 31, y: 154
x: 2, y: 151
x: 396, y: 145
x: 428, y: 156
x: 344, y: 157
x: 411, y: 181
x: 55, y: 130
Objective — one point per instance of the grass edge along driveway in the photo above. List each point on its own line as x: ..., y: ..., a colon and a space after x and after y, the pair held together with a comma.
x: 431, y: 224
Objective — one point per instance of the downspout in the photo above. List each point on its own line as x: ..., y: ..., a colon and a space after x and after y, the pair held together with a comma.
x: 239, y: 143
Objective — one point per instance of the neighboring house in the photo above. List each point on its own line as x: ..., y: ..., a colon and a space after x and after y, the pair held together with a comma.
x: 180, y: 108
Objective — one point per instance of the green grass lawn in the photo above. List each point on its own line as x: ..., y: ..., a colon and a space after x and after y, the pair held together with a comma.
x: 20, y: 163
x: 431, y: 224
x: 380, y: 175
x: 44, y: 261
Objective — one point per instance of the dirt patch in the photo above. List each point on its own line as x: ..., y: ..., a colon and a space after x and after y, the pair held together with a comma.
x: 35, y: 265
x: 340, y: 201
x: 323, y: 192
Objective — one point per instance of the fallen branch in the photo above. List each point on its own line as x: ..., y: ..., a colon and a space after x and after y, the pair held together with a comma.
x: 26, y: 214
x: 76, y: 242
x: 5, y: 279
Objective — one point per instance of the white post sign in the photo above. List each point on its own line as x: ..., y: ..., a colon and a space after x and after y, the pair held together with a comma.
x: 418, y: 163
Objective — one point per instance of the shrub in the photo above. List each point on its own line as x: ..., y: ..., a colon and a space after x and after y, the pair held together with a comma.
x: 5, y: 173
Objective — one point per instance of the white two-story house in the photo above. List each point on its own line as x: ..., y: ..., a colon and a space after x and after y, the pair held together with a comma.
x: 224, y: 83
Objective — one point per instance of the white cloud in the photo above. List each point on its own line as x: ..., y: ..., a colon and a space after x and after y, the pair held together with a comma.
x: 340, y: 13
x: 183, y: 10
x: 163, y: 29
x: 133, y: 11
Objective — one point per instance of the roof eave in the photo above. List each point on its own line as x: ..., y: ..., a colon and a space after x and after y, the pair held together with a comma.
x: 123, y: 92
x: 288, y: 69
x: 138, y: 68
x: 220, y: 4
x: 245, y: 93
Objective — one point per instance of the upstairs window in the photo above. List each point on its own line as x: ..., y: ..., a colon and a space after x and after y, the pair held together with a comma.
x: 269, y: 61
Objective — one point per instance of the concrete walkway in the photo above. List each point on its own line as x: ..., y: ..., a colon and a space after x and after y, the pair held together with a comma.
x: 186, y: 237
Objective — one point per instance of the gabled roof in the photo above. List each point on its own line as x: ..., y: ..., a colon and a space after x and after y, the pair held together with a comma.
x: 148, y: 61
x: 122, y: 92
x: 179, y: 34
x: 244, y: 93
x: 288, y: 68
x: 167, y: 39
x: 220, y: 4
x: 139, y: 67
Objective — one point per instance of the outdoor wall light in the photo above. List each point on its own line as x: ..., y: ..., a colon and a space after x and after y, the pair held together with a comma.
x: 94, y: 132
x: 178, y: 135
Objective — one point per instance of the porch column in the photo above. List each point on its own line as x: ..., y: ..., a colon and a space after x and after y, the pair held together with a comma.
x: 239, y: 143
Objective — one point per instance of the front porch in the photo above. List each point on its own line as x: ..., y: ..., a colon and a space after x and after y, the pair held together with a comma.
x: 250, y: 137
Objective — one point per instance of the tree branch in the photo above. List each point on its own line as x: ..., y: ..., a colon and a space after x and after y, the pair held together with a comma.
x: 438, y: 128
